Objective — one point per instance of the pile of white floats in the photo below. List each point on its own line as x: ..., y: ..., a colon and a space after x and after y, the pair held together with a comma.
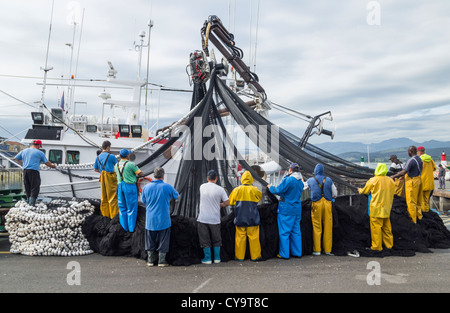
x: 53, y: 229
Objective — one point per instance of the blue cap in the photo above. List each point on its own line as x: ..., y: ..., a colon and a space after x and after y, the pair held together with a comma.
x: 124, y: 152
x: 212, y: 174
x: 294, y: 166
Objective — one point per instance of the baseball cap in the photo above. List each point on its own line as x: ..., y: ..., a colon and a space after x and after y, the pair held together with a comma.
x: 392, y: 157
x: 420, y: 148
x: 212, y: 174
x: 124, y: 152
x: 37, y: 142
x: 294, y: 166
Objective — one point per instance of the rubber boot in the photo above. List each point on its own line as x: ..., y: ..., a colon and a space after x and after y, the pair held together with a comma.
x: 152, y: 258
x: 207, y: 258
x: 32, y: 201
x: 216, y: 254
x: 162, y: 259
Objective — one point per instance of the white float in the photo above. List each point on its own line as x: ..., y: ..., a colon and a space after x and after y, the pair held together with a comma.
x: 46, y: 230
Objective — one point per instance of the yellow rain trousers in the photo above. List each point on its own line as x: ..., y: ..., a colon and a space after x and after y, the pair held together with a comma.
x: 245, y: 200
x: 321, y: 215
x: 413, y: 188
x: 427, y: 181
x: 382, y: 189
x: 109, y: 205
x: 425, y: 201
x: 252, y: 232
x: 399, y: 187
x: 381, y: 232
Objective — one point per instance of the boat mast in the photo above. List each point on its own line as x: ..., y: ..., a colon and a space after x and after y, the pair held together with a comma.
x: 150, y: 25
x: 72, y: 82
x: 133, y: 105
x: 139, y: 47
x: 46, y: 67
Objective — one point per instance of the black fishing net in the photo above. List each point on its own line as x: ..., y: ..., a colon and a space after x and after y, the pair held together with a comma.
x: 351, y: 231
x: 190, y: 156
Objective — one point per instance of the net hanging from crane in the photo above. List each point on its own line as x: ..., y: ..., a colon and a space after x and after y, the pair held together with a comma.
x: 202, y: 143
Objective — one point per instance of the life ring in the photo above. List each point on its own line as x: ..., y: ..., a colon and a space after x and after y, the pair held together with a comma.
x: 141, y: 180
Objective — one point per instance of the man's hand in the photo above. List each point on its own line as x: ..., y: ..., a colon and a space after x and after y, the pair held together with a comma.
x: 49, y: 164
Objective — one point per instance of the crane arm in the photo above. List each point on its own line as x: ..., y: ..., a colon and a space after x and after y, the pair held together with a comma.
x: 214, y: 31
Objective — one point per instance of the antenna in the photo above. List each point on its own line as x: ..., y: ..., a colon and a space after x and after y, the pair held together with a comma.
x: 256, y: 38
x: 111, y: 72
x: 78, y: 56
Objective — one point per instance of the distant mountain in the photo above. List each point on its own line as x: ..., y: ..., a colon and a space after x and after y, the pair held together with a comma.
x: 352, y: 151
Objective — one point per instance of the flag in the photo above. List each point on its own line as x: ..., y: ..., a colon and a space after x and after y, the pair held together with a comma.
x: 62, y: 101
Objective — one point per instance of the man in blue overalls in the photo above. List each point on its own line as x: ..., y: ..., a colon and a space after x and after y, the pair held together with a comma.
x: 127, y: 192
x: 289, y: 212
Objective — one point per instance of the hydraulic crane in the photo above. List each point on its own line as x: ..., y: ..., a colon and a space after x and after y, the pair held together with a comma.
x: 214, y: 31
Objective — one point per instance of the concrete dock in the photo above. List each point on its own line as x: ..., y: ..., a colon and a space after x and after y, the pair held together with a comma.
x: 423, y: 273
x: 440, y: 199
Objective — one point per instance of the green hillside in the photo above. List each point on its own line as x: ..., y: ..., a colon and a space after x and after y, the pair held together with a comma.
x: 383, y: 156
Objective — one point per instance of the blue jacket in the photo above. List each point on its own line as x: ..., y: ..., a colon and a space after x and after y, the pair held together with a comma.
x: 31, y: 158
x: 157, y: 195
x: 316, y: 190
x: 290, y: 191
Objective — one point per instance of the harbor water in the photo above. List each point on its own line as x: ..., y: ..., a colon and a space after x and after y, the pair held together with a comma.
x: 11, y: 188
x: 11, y: 179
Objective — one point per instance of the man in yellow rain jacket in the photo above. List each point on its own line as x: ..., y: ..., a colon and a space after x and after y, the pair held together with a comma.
x: 245, y: 199
x: 427, y: 178
x: 382, y: 189
x: 395, y: 168
x: 104, y: 164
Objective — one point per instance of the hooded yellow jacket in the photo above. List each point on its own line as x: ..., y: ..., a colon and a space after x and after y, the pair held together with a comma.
x: 382, y: 189
x: 245, y: 199
x: 427, y: 172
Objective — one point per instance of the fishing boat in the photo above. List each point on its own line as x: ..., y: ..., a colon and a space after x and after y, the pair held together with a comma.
x: 72, y: 140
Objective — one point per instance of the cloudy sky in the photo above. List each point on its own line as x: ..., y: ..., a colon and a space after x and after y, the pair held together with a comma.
x: 381, y: 67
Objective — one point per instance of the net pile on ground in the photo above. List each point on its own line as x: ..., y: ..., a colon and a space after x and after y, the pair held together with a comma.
x: 107, y: 237
x: 49, y: 229
x: 351, y: 231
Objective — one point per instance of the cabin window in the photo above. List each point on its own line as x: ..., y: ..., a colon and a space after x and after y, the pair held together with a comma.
x: 73, y: 157
x: 55, y: 156
x: 91, y: 128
